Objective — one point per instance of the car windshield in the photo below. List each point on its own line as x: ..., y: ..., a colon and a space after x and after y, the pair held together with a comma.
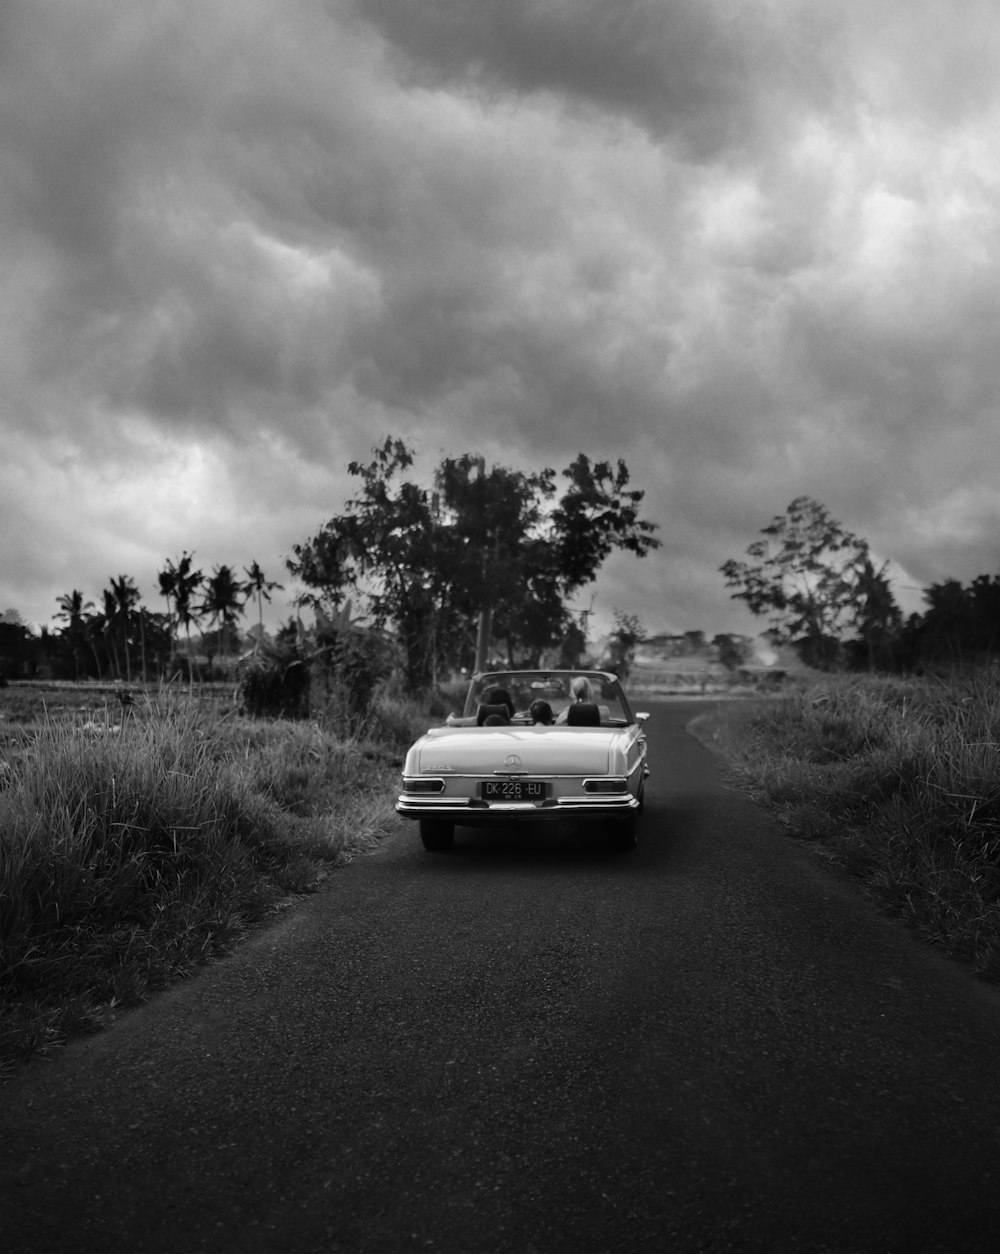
x: 525, y: 687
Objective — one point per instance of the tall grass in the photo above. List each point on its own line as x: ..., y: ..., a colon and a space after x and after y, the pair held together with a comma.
x: 899, y: 782
x: 134, y: 849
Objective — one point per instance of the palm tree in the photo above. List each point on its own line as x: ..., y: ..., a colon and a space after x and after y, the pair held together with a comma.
x: 94, y: 633
x: 878, y: 617
x: 142, y: 616
x: 258, y: 586
x: 183, y: 583
x: 124, y: 597
x: 72, y: 609
x: 107, y: 620
x: 223, y: 601
x: 167, y: 579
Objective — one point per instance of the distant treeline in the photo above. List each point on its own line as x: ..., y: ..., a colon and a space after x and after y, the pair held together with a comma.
x: 122, y: 639
x: 961, y: 624
x: 960, y: 627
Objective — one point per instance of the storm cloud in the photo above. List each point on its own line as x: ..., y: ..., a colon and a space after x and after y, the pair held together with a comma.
x: 753, y: 250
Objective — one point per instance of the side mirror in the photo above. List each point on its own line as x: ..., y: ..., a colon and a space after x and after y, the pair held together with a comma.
x: 641, y: 718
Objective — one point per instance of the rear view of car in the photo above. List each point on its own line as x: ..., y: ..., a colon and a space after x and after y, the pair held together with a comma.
x: 505, y: 769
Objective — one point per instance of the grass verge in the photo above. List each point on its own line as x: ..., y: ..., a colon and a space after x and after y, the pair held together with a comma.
x: 137, y: 846
x: 897, y: 782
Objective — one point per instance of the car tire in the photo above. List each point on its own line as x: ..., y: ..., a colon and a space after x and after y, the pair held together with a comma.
x: 623, y: 835
x: 438, y: 835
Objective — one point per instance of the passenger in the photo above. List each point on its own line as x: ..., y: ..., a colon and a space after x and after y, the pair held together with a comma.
x: 496, y: 720
x: 541, y: 713
x: 580, y: 691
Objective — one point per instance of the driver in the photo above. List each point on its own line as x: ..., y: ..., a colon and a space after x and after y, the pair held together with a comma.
x: 495, y: 696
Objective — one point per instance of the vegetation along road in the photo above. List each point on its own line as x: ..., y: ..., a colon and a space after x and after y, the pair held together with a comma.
x: 533, y: 1045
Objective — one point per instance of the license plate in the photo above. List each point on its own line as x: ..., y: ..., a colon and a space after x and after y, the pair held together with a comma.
x: 512, y: 790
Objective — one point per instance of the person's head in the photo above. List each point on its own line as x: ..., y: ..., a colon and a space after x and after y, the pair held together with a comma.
x: 495, y: 720
x: 500, y: 696
x: 541, y: 712
x: 580, y: 689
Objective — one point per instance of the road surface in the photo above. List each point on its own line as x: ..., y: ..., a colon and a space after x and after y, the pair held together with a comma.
x: 530, y: 1046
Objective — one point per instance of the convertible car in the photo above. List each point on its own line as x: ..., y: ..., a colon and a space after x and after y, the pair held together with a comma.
x: 530, y: 746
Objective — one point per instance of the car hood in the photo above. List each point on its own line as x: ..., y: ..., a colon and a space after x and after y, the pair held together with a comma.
x: 542, y: 750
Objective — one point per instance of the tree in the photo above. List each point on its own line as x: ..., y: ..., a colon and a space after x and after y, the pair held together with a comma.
x: 223, y: 602
x: 597, y: 514
x: 72, y: 611
x: 119, y: 601
x: 733, y: 651
x: 621, y: 643
x: 812, y: 577
x: 483, y: 554
x: 109, y: 636
x: 167, y: 579
x: 494, y: 516
x: 156, y: 640
x: 179, y: 584
x: 961, y: 625
x: 391, y: 545
x: 259, y: 587
x: 18, y: 646
x: 572, y: 646
x: 879, y: 619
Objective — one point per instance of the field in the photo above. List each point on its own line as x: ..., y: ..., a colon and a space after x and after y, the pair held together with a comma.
x: 896, y: 782
x: 139, y: 840
x: 141, y: 837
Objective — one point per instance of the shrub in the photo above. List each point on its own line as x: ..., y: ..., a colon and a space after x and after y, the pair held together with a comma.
x: 274, y: 683
x: 898, y: 780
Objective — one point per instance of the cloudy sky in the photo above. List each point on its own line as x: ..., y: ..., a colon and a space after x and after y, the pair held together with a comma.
x: 750, y: 246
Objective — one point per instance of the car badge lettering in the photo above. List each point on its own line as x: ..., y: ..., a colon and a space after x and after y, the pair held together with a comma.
x: 512, y: 760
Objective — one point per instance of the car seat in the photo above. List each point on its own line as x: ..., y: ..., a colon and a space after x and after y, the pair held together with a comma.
x: 583, y: 714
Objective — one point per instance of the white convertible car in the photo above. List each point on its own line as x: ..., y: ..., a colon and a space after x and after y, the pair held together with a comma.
x: 531, y: 746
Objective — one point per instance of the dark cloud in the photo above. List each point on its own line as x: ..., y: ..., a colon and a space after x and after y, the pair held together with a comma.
x: 705, y: 74
x: 750, y: 249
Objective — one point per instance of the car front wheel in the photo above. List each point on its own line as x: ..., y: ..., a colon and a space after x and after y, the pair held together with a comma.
x: 438, y: 835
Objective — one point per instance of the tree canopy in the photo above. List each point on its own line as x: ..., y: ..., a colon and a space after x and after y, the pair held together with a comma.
x: 961, y: 623
x: 815, y: 580
x: 478, y: 555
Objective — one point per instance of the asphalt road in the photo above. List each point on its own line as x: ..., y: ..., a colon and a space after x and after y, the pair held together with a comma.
x: 532, y: 1046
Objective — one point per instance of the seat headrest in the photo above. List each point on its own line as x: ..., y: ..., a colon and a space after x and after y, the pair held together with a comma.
x: 498, y: 711
x: 583, y: 714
